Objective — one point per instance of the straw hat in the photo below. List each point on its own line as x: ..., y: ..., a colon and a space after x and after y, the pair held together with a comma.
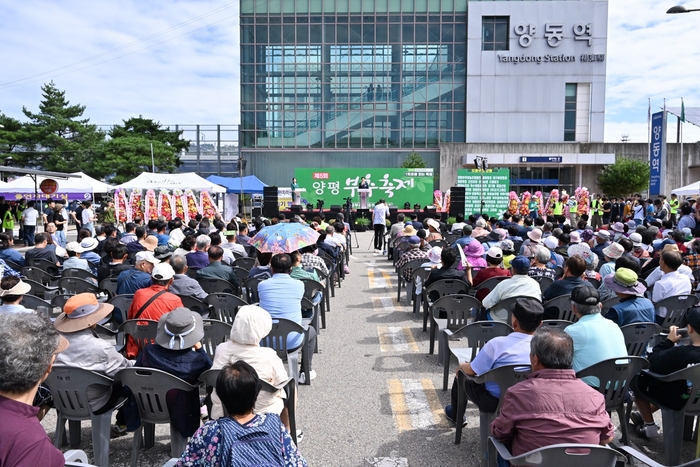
x: 149, y: 243
x: 81, y: 312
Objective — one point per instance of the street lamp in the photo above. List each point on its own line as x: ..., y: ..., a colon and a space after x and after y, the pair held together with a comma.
x: 680, y: 9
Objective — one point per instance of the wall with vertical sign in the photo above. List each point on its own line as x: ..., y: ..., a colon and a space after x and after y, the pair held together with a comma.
x: 657, y: 154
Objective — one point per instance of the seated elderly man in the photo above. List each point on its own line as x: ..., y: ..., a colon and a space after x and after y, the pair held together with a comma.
x: 520, y: 285
x: 28, y: 345
x: 199, y: 259
x: 40, y: 250
x: 131, y: 280
x: 448, y: 270
x: 512, y: 349
x: 281, y: 296
x: 633, y: 307
x: 551, y: 406
x: 595, y: 338
x: 216, y: 269
x: 666, y: 358
x: 182, y: 283
x: 74, y: 260
x: 671, y: 283
x: 414, y: 252
x: 118, y: 263
x: 574, y: 271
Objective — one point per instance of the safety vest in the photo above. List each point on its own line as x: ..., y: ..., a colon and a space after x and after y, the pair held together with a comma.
x: 558, y: 208
x: 597, y: 207
x: 8, y: 221
x: 674, y: 203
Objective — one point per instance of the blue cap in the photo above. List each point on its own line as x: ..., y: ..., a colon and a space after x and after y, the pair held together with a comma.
x: 520, y: 263
x: 413, y: 240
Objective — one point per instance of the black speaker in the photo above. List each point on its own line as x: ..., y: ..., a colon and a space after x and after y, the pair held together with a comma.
x: 257, y: 212
x: 271, y: 209
x: 296, y: 208
x: 336, y: 208
x: 430, y: 209
x: 270, y: 191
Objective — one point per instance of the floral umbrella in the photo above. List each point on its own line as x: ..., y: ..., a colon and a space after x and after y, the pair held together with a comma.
x: 284, y: 238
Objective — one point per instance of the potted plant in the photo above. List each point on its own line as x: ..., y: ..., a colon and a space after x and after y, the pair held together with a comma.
x: 450, y: 222
x: 361, y: 224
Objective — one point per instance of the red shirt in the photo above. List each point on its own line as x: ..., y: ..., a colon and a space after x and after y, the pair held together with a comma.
x: 484, y: 274
x: 160, y: 306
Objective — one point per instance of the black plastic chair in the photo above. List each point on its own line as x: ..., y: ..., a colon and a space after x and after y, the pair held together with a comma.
x: 241, y: 274
x: 109, y: 285
x: 563, y: 306
x: 143, y: 331
x: 489, y: 284
x: 217, y: 285
x: 310, y: 288
x: 442, y: 287
x: 594, y: 282
x: 60, y: 300
x: 31, y: 302
x: 556, y: 323
x: 74, y: 286
x: 215, y: 332
x: 79, y: 273
x: 42, y: 291
x: 605, y: 305
x: 676, y: 307
x: 44, y: 264
x: 451, y: 312
x: 245, y: 263
x: 544, y: 282
x: 39, y: 275
x: 277, y: 340
x: 251, y: 287
x: 400, y: 280
x: 637, y: 337
x: 224, y: 306
x: 195, y: 304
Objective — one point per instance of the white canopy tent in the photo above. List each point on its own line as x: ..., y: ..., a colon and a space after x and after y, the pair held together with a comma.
x: 82, y: 184
x: 180, y: 181
x: 689, y: 190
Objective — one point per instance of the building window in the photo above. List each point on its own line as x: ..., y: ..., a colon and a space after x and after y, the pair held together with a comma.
x: 494, y: 32
x: 570, y: 112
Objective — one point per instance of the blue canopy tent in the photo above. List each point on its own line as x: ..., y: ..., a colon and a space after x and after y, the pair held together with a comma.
x: 251, y: 184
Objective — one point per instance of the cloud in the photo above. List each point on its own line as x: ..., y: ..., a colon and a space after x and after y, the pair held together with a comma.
x: 190, y: 74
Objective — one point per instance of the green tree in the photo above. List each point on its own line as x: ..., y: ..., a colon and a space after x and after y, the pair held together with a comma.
x: 11, y: 134
x: 414, y: 161
x: 624, y: 177
x: 57, y: 138
x: 128, y: 152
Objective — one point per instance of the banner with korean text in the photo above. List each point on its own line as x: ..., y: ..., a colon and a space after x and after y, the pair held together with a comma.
x: 491, y: 186
x: 657, y: 154
x: 396, y: 186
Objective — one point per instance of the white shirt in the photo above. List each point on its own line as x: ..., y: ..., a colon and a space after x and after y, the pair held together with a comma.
x: 30, y: 216
x: 228, y: 257
x: 671, y: 284
x: 380, y: 213
x: 457, y: 227
x: 235, y: 248
x: 332, y: 241
x: 517, y: 286
x: 86, y: 216
x: 176, y: 237
x: 657, y: 274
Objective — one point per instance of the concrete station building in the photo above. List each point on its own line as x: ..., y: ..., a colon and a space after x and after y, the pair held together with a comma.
x: 362, y: 83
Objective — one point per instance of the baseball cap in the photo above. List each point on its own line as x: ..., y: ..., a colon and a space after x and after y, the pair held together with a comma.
x: 495, y: 253
x: 414, y: 240
x: 520, y: 263
x: 147, y: 256
x: 163, y: 272
x: 585, y: 295
x: 692, y: 317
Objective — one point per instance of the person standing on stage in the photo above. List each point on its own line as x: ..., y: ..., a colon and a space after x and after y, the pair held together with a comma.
x: 363, y: 196
x: 295, y: 195
x: 381, y: 211
x: 363, y: 184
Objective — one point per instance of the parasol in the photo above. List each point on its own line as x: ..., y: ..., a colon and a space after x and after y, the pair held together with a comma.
x: 284, y: 238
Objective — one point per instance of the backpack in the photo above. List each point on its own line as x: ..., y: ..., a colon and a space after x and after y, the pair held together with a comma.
x: 251, y: 446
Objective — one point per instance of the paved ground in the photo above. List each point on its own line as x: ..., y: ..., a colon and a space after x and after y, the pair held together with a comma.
x: 378, y: 397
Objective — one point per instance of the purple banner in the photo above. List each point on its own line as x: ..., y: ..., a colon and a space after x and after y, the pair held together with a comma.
x: 42, y: 197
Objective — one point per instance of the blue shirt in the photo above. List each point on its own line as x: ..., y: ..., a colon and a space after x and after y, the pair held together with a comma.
x: 686, y: 221
x: 162, y: 239
x: 632, y: 310
x: 462, y: 241
x: 595, y: 339
x: 11, y: 308
x: 12, y: 255
x: 281, y: 296
x: 512, y: 349
x: 129, y: 281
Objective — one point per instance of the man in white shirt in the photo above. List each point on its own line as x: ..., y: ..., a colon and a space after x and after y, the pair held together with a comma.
x: 88, y: 217
x: 331, y: 239
x: 381, y: 211
x: 671, y: 284
x: 520, y: 285
x: 176, y: 234
x: 29, y: 217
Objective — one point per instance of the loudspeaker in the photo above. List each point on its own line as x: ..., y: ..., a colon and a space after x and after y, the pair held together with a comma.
x: 336, y: 208
x: 296, y: 208
x: 270, y: 191
x: 257, y: 212
x: 430, y: 209
x: 393, y: 211
x: 271, y: 209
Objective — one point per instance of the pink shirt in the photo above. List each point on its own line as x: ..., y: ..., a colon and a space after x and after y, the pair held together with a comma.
x: 551, y: 407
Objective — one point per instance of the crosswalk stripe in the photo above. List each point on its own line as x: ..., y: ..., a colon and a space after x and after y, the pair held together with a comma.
x: 378, y: 279
x: 415, y: 404
x: 398, y: 405
x: 396, y: 339
x: 434, y: 403
x: 383, y: 304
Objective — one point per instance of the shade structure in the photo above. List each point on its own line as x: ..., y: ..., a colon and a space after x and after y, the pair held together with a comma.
x: 179, y: 181
x: 81, y: 188
x: 251, y: 184
x: 284, y: 238
x: 689, y: 190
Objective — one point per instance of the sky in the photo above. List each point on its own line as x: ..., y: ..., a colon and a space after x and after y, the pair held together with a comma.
x: 176, y: 61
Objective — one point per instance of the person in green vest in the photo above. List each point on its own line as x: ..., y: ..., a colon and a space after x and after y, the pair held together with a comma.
x: 110, y: 213
x: 573, y: 211
x: 597, y: 211
x: 21, y: 206
x: 8, y: 222
x: 674, y: 204
x: 558, y: 209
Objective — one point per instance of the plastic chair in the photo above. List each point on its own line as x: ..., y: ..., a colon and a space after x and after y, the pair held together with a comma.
x: 16, y: 266
x: 241, y: 274
x: 217, y: 285
x: 109, y: 285
x: 450, y: 312
x: 568, y: 454
x: 42, y: 291
x: 244, y: 263
x: 505, y: 377
x: 45, y: 265
x: 76, y: 458
x: 594, y: 282
x: 412, y: 265
x: 556, y: 323
x: 418, y: 299
x: 40, y: 276
x: 676, y: 307
x: 477, y: 335
x: 637, y: 337
x: 208, y: 378
x: 35, y: 303
x: 60, y: 300
x: 251, y: 287
x: 69, y: 388
x: 630, y: 451
x: 195, y: 304
x: 215, y: 332
x: 277, y: 340
x: 544, y: 282
x: 311, y: 287
x: 605, y: 305
x: 442, y: 287
x: 74, y: 286
x: 503, y: 310
x: 673, y: 420
x: 563, y: 304
x: 143, y: 331
x: 79, y: 273
x: 150, y: 388
x: 614, y: 378
x: 323, y: 277
x: 489, y: 283
x: 558, y: 272
x: 441, y: 243
x: 224, y: 306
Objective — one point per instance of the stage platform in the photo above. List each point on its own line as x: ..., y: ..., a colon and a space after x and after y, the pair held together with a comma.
x: 364, y: 213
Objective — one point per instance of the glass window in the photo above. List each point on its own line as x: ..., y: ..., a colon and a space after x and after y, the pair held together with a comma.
x: 494, y: 32
x: 381, y: 31
x: 570, y: 112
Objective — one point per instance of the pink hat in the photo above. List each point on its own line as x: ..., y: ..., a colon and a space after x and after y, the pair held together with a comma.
x: 575, y: 237
x: 475, y: 249
x: 535, y: 235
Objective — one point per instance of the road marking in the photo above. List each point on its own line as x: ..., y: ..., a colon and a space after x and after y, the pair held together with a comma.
x: 396, y: 339
x: 378, y: 279
x: 415, y: 404
x: 388, y: 461
x: 385, y: 304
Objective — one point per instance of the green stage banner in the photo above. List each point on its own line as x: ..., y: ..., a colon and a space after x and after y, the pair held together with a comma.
x: 496, y: 186
x: 396, y: 186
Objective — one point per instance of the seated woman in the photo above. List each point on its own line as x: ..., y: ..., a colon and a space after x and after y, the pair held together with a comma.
x: 12, y: 291
x: 266, y: 440
x: 251, y: 325
x: 9, y: 253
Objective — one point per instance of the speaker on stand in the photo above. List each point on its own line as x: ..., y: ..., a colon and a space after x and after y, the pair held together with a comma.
x: 271, y: 207
x: 457, y: 200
